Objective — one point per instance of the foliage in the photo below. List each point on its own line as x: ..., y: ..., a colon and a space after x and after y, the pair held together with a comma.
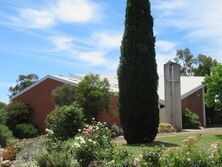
x: 188, y: 155
x: 94, y: 143
x: 52, y: 144
x: 213, y: 96
x: 137, y: 75
x: 85, y: 151
x: 166, y: 128
x: 151, y: 158
x: 26, y: 130
x: 190, y: 120
x: 23, y: 82
x: 18, y: 112
x: 64, y: 95
x: 54, y: 159
x: 99, y: 132
x: 2, y: 105
x: 121, y: 158
x: 5, y: 135
x: 190, y: 65
x: 93, y: 95
x: 205, y: 63
x: 3, y: 116
x: 65, y: 121
x: 186, y: 61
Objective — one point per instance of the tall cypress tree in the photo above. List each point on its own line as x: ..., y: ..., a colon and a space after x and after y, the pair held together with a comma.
x: 137, y: 75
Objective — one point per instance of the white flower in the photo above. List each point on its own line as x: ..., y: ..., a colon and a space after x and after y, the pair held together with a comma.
x: 188, y: 159
x: 82, y: 141
x: 90, y: 140
x: 79, y: 138
x: 49, y: 131
x: 79, y: 130
x: 77, y: 145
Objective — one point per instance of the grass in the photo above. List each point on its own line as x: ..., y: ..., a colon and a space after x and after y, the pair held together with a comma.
x: 207, y: 138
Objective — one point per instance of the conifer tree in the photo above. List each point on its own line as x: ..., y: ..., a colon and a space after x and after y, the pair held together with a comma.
x: 137, y: 75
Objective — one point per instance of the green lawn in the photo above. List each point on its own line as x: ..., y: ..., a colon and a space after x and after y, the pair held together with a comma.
x: 174, y: 140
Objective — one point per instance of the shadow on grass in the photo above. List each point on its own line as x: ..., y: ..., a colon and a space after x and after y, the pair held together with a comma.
x: 219, y: 137
x: 153, y: 144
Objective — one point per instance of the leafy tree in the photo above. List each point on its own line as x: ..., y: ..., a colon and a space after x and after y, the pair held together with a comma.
x: 93, y: 95
x: 17, y: 112
x: 23, y: 82
x: 2, y: 105
x: 137, y: 75
x: 64, y: 95
x: 186, y: 61
x: 213, y: 83
x: 204, y: 65
x: 3, y: 114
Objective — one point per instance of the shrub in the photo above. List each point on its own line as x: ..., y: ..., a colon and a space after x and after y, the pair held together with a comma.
x: 100, y: 133
x: 64, y: 95
x: 85, y: 151
x: 93, y: 144
x: 26, y: 130
x: 188, y: 155
x: 65, y: 121
x: 5, y: 135
x: 151, y: 158
x: 3, y: 117
x: 121, y: 158
x: 60, y: 159
x: 166, y: 128
x: 190, y: 119
x: 183, y: 158
x: 18, y: 112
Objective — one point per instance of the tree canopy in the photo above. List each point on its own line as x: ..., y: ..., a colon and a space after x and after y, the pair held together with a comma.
x: 204, y: 65
x: 213, y: 83
x: 23, y: 82
x: 194, y: 65
x: 93, y: 95
x: 2, y: 105
x: 64, y: 95
x: 186, y: 60
x: 137, y: 75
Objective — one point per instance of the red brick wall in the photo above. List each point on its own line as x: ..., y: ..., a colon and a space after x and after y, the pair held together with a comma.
x: 112, y: 116
x: 194, y: 102
x: 40, y: 99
